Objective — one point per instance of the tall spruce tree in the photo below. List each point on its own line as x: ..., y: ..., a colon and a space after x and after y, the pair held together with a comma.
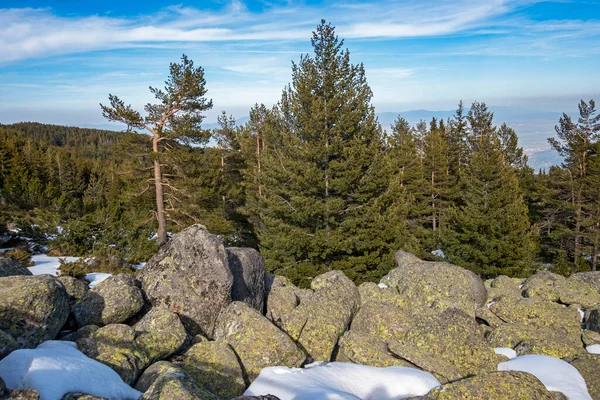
x: 323, y: 174
x: 576, y: 144
x: 489, y: 232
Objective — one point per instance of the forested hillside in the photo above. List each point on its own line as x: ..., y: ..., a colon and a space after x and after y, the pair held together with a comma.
x: 316, y: 183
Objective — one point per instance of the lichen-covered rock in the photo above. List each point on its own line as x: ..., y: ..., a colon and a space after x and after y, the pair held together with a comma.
x: 592, y: 319
x: 7, y: 344
x: 160, y: 333
x: 248, y: 269
x: 33, y: 309
x: 384, y: 320
x: 576, y: 291
x: 456, y: 339
x: 372, y: 292
x: 504, y: 287
x: 10, y: 267
x: 151, y: 374
x: 111, y: 302
x: 494, y: 386
x: 81, y: 333
x: 437, y: 285
x: 527, y: 339
x: 320, y: 319
x: 484, y: 314
x: 366, y: 349
x: 23, y: 394
x: 281, y: 302
x: 76, y: 288
x: 174, y: 384
x: 190, y: 275
x: 591, y: 278
x: 588, y: 366
x: 256, y: 341
x: 587, y: 337
x: 215, y: 367
x: 538, y: 313
x: 545, y: 285
x: 114, y: 345
x: 443, y: 370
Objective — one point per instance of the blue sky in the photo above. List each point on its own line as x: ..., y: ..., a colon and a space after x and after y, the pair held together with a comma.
x: 59, y: 59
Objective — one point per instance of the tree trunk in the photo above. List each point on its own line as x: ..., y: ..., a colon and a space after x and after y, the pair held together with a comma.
x: 258, y: 163
x: 160, y: 203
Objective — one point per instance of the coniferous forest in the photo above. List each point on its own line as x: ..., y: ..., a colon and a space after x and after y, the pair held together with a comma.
x: 314, y: 182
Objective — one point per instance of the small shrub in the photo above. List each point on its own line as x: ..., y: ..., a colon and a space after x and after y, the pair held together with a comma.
x: 20, y: 255
x: 109, y: 263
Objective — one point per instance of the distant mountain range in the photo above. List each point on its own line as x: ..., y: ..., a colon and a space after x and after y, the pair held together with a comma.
x: 533, y: 127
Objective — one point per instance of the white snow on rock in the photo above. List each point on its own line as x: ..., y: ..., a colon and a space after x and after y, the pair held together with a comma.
x: 556, y: 374
x: 382, y: 285
x: 593, y: 349
x: 56, y: 367
x: 439, y: 253
x: 506, y: 351
x: 581, y: 314
x: 43, y: 264
x: 342, y: 381
x: 95, y: 278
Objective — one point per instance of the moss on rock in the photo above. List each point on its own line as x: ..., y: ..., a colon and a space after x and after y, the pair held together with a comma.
x: 160, y: 334
x: 256, y: 341
x: 437, y: 285
x: 215, y: 367
x: 494, y: 386
x: 112, y: 301
x: 33, y: 309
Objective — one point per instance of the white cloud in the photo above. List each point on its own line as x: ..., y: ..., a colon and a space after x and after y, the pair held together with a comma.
x: 31, y: 33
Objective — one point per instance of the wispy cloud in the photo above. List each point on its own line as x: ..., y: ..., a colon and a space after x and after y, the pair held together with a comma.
x: 30, y: 33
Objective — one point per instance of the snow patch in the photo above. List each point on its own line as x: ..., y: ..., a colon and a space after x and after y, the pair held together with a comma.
x: 56, y: 367
x: 383, y: 285
x: 557, y: 375
x: 439, y: 253
x: 43, y: 264
x: 506, y: 351
x: 95, y: 278
x: 342, y: 381
x: 581, y: 314
x: 593, y: 349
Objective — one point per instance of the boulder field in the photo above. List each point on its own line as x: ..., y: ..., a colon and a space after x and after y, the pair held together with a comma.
x: 200, y: 321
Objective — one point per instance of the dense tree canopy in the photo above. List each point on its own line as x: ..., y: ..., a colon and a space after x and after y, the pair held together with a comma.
x: 314, y: 182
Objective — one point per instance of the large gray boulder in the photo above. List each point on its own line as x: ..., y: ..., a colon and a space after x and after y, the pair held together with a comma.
x: 33, y: 309
x: 190, y: 275
x: 506, y: 385
x: 112, y: 301
x: 10, y: 267
x: 160, y: 333
x: 323, y: 316
x: 114, y: 345
x: 256, y: 341
x: 248, y: 269
x: 450, y: 346
x: 437, y: 285
x: 174, y: 384
x: 214, y: 366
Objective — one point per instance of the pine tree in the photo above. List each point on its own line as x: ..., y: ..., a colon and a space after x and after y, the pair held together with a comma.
x: 489, y: 232
x: 175, y: 119
x: 575, y: 143
x: 324, y: 171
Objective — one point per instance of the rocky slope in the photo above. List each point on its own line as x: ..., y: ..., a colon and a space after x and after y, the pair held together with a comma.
x: 200, y: 322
